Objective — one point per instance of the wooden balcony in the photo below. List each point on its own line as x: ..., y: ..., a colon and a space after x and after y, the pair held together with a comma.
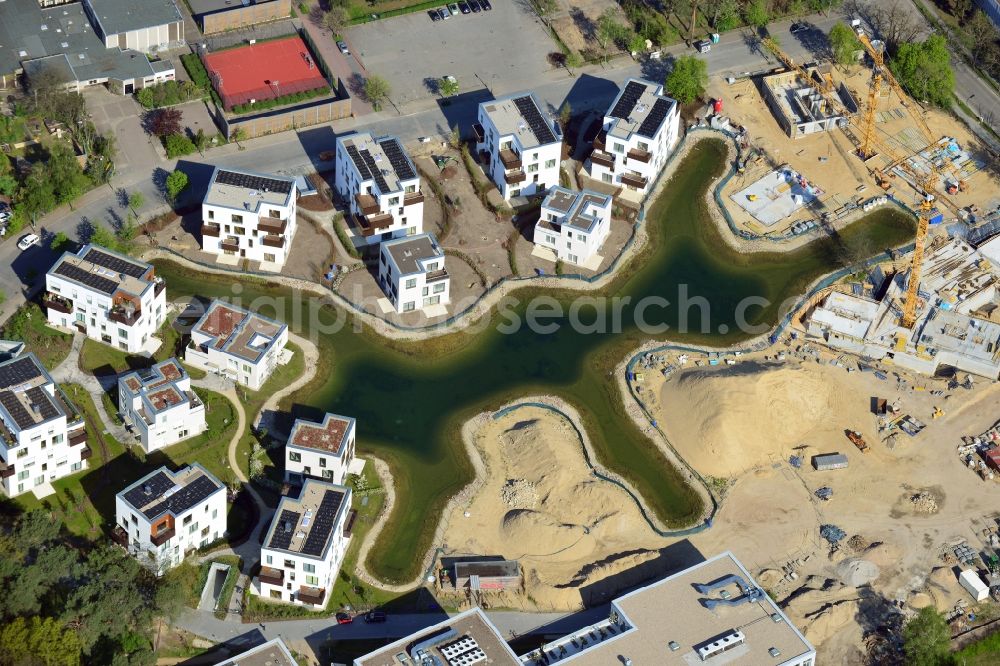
x: 210, y: 229
x: 413, y: 198
x: 230, y: 245
x: 311, y: 595
x: 380, y: 221
x: 604, y: 159
x: 6, y: 470
x: 515, y: 177
x: 272, y: 225
x: 78, y: 438
x: 367, y: 204
x: 163, y: 537
x: 272, y: 576
x: 634, y: 180
x: 124, y: 317
x: 120, y: 536
x: 436, y: 276
x: 57, y: 303
x: 273, y: 241
x: 510, y: 159
x: 478, y: 132
x: 601, y: 140
x: 640, y: 155
x: 86, y: 453
x: 160, y: 285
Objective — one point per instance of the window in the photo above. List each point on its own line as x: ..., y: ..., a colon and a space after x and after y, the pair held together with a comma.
x: 312, y: 580
x: 22, y: 452
x: 187, y: 520
x: 211, y: 214
x: 238, y: 219
x: 307, y: 470
x: 606, y: 177
x: 642, y: 145
x: 408, y: 306
x: 21, y: 476
x: 432, y: 266
x: 322, y: 462
x: 328, y: 474
x: 309, y: 568
x: 532, y: 168
x: 193, y: 528
x: 411, y: 283
x: 394, y: 201
x: 619, y: 148
x: 549, y: 164
x: 57, y: 439
x: 294, y: 457
x: 269, y: 559
x: 439, y: 287
x: 290, y: 564
x: 122, y: 333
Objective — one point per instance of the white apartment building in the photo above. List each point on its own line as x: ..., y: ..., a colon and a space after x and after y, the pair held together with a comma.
x: 164, y: 515
x: 523, y: 147
x: 378, y: 183
x: 272, y: 653
x: 411, y: 272
x: 248, y: 216
x: 237, y: 343
x: 640, y: 130
x: 320, y: 450
x: 160, y: 405
x: 574, y: 225
x: 108, y: 297
x: 43, y: 436
x: 305, y: 545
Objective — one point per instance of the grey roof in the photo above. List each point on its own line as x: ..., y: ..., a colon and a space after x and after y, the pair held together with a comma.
x: 407, y: 252
x: 117, y: 16
x: 62, y: 37
x: 25, y: 400
x: 639, y: 109
x: 305, y: 525
x: 382, y: 159
x: 577, y: 206
x: 271, y: 653
x: 163, y: 491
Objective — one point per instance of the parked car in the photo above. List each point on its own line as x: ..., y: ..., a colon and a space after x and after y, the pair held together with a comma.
x: 486, y: 4
x: 344, y: 618
x: 375, y: 617
x: 433, y: 13
x: 475, y: 6
x: 445, y: 14
x: 464, y: 6
x: 703, y: 46
x: 453, y: 8
x: 343, y: 47
x: 798, y: 27
x: 27, y: 241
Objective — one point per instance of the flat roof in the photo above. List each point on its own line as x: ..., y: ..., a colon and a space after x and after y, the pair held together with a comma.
x: 162, y: 491
x: 239, y: 332
x: 246, y: 190
x: 272, y: 653
x: 102, y: 270
x: 382, y: 159
x: 329, y: 435
x: 28, y: 395
x: 408, y: 251
x: 466, y: 638
x: 117, y: 16
x: 304, y: 525
x: 639, y: 108
x: 581, y: 210
x: 521, y: 115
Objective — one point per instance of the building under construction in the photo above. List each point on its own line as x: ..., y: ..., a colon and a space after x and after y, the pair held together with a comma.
x: 799, y: 107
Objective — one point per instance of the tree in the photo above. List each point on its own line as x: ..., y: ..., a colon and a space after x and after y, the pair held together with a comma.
x: 7, y: 183
x: 163, y: 122
x: 924, y: 69
x: 843, y: 43
x: 565, y: 113
x: 200, y: 140
x: 59, y: 242
x: 959, y: 8
x: 926, y: 638
x: 447, y: 86
x: 635, y: 42
x: 376, y: 90
x: 687, y: 80
x: 178, y: 145
x: 63, y: 169
x: 335, y: 20
x: 101, y: 163
x: 239, y: 134
x: 39, y: 641
x: 608, y: 27
x: 176, y: 182
x: 103, y: 236
x: 757, y: 13
x: 897, y: 24
x: 724, y: 15
x: 983, y: 34
x: 136, y: 201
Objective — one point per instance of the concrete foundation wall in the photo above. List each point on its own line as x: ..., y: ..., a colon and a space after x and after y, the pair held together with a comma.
x: 241, y: 17
x: 301, y: 116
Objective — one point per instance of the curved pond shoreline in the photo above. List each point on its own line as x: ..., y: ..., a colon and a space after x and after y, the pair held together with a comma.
x: 413, y: 404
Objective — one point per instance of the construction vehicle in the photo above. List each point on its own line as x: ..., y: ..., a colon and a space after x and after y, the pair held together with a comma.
x: 857, y: 440
x: 938, y: 413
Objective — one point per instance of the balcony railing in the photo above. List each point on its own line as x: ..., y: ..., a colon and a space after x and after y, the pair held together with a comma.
x: 159, y: 285
x: 311, y: 595
x: 123, y: 316
x: 510, y: 159
x: 605, y: 159
x: 57, y: 303
x: 272, y: 225
x: 634, y: 180
x: 120, y: 536
x: 478, y: 132
x: 163, y: 537
x: 413, y: 198
x: 78, y: 438
x: 515, y: 177
x: 601, y: 140
x: 639, y: 154
x: 273, y: 241
x: 367, y: 204
x: 211, y: 229
x: 230, y: 245
x: 86, y: 453
x: 6, y: 470
x: 437, y: 276
x: 272, y: 576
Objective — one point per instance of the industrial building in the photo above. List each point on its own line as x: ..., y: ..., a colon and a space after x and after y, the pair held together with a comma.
x: 222, y: 15
x: 712, y: 612
x: 141, y: 25
x: 957, y: 318
x: 799, y: 108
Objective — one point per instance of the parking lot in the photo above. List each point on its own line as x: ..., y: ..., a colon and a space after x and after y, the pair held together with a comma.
x: 119, y: 115
x: 504, y: 49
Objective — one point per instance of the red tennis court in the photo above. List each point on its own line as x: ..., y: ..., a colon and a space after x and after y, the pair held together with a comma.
x: 263, y: 71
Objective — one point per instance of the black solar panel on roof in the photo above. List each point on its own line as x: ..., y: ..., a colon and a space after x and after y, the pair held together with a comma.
x: 92, y: 280
x: 116, y: 264
x: 374, y: 170
x: 655, y: 118
x: 323, y: 523
x: 629, y: 97
x: 362, y: 167
x: 526, y: 107
x: 185, y: 498
x: 42, y: 403
x: 397, y: 159
x: 281, y: 537
x: 22, y: 417
x: 156, y: 485
x: 252, y: 182
x: 18, y: 371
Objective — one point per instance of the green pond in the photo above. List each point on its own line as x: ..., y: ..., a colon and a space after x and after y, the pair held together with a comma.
x: 410, y: 399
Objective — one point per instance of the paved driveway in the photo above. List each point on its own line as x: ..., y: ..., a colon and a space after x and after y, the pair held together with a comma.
x: 121, y: 116
x: 411, y: 51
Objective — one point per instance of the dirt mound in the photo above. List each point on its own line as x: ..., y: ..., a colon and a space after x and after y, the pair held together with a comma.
x: 830, y: 619
x: 448, y: 172
x: 855, y: 571
x: 519, y: 493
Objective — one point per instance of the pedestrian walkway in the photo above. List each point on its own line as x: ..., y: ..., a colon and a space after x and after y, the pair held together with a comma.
x: 69, y: 372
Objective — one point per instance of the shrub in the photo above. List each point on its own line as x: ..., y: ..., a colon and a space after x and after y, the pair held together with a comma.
x: 169, y: 93
x: 178, y: 145
x: 293, y: 98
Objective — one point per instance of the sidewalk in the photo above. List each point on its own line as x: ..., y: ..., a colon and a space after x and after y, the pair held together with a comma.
x: 69, y: 372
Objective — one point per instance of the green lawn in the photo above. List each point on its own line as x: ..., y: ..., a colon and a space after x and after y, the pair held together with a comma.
x: 101, y: 359
x: 28, y: 324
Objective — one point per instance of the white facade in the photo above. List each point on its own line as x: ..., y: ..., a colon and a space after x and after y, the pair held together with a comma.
x: 107, y: 296
x: 249, y: 216
x: 641, y: 129
x: 380, y: 186
x: 237, y: 343
x: 523, y: 145
x: 305, y: 545
x: 164, y: 515
x: 43, y: 436
x: 574, y: 225
x: 320, y: 450
x: 412, y: 274
x: 143, y: 25
x: 160, y: 405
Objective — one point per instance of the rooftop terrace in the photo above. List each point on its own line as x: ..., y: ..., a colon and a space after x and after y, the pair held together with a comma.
x: 329, y: 435
x: 239, y: 332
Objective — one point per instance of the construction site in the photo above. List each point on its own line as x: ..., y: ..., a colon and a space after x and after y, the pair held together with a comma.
x: 852, y: 138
